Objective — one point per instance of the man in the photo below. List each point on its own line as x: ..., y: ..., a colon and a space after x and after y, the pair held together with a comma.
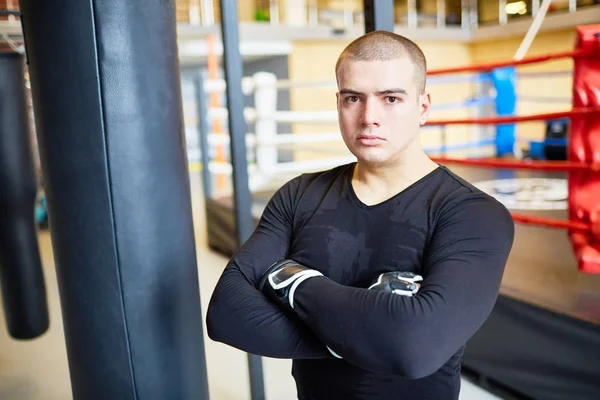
x: 371, y: 276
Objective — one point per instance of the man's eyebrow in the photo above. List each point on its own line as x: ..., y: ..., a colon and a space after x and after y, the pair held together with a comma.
x: 350, y: 91
x: 382, y: 92
x: 393, y: 91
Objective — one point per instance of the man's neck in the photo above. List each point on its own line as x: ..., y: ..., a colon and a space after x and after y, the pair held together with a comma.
x: 376, y: 183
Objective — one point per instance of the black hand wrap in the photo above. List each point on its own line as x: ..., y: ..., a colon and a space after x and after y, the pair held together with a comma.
x: 397, y: 282
x: 282, y: 279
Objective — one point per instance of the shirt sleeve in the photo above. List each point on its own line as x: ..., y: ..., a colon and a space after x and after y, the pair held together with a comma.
x: 415, y: 336
x: 238, y: 313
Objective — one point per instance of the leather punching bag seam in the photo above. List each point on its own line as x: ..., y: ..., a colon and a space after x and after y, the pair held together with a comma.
x: 110, y: 191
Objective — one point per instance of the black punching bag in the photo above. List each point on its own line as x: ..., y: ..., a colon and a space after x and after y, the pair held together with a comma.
x: 21, y: 275
x: 106, y: 89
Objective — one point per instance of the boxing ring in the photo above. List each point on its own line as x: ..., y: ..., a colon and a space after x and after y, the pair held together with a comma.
x: 542, y: 339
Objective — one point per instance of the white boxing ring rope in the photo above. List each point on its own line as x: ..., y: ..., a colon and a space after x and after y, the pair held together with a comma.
x: 280, y: 139
x: 252, y: 115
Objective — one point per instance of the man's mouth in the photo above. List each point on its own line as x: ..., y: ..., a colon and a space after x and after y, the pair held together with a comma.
x: 370, y: 140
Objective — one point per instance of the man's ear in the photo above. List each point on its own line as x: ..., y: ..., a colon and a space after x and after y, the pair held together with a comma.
x: 425, y: 107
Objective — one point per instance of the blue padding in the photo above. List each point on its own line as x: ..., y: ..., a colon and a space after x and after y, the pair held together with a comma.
x: 504, y: 80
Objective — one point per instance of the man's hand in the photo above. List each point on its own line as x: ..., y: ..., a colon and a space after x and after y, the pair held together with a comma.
x: 282, y: 279
x: 397, y: 282
x: 280, y: 282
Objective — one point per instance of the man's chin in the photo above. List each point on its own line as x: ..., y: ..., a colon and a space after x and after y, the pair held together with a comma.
x: 373, y: 159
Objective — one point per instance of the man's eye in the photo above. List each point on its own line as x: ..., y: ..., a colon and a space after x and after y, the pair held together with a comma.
x: 391, y: 99
x: 352, y: 99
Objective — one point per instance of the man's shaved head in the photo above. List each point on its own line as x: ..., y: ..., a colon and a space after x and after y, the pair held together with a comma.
x: 385, y: 46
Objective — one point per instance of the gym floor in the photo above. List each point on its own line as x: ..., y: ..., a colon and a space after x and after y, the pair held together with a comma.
x: 38, y: 369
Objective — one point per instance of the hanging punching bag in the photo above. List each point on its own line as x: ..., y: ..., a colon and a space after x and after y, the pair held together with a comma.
x: 106, y: 89
x: 21, y: 275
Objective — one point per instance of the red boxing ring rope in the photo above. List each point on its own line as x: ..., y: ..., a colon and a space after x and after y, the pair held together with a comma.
x: 528, y: 60
x: 551, y: 222
x: 525, y: 118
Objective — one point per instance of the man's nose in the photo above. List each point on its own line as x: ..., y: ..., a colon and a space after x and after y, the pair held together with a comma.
x: 370, y: 114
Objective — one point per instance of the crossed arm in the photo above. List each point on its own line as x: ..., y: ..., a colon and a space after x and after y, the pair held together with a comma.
x: 239, y: 314
x: 378, y: 331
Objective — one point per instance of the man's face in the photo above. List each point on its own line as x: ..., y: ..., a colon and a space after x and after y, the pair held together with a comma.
x: 380, y: 109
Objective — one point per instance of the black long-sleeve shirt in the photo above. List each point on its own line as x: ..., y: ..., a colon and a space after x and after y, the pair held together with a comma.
x: 393, y: 347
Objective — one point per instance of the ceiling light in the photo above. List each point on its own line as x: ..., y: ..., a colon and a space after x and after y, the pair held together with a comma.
x: 516, y: 7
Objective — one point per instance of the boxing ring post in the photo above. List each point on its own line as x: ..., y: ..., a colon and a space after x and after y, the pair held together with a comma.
x: 504, y: 80
x: 265, y: 128
x: 584, y: 147
x: 105, y: 80
x: 232, y: 65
